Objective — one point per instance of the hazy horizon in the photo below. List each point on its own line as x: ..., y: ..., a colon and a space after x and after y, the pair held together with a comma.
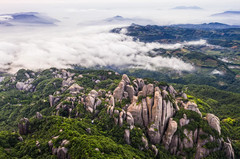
x: 82, y: 33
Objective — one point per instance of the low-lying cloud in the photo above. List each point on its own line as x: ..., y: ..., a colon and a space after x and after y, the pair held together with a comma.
x: 93, y: 46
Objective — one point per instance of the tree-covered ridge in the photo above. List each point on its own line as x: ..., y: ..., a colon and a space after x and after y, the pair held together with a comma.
x: 99, y: 114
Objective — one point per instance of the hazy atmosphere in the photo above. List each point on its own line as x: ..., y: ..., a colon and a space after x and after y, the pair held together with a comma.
x: 77, y: 32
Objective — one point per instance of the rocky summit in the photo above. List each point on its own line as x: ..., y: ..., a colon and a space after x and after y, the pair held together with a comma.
x: 68, y: 114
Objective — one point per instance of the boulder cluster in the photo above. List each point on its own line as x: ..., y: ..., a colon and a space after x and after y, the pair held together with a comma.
x: 151, y: 107
x: 154, y: 108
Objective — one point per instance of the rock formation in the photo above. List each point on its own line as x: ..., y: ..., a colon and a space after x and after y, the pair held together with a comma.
x: 23, y: 126
x: 154, y: 109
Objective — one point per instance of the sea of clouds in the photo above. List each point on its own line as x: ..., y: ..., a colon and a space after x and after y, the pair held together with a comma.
x: 91, y: 46
x: 82, y: 37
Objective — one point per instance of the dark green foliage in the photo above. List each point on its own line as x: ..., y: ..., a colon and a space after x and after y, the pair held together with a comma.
x: 136, y: 137
x: 8, y: 139
x: 211, y: 145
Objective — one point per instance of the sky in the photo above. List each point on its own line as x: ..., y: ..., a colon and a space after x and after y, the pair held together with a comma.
x: 82, y: 35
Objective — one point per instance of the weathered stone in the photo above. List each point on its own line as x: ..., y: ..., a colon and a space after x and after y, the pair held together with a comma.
x: 155, y: 150
x: 172, y: 128
x: 174, y: 145
x: 39, y: 115
x: 188, y: 140
x: 149, y: 101
x: 126, y: 79
x: 193, y: 106
x: 130, y: 91
x: 172, y: 91
x: 23, y: 126
x: 136, y: 111
x: 130, y: 120
x: 116, y: 116
x: 20, y: 138
x: 227, y: 147
x: 88, y: 130
x: 65, y: 142
x: 184, y: 96
x: 62, y: 153
x: 127, y: 136
x: 118, y: 92
x: 144, y: 113
x: 214, y: 122
x: 145, y: 142
x: 183, y: 121
x: 154, y: 134
x: 50, y: 144
x: 90, y: 101
x: 38, y: 144
x: 51, y: 100
x: 75, y: 89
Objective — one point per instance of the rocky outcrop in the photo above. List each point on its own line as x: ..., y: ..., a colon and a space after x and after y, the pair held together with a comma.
x: 53, y: 100
x: 184, y: 121
x: 172, y: 128
x: 118, y: 93
x: 62, y: 153
x: 92, y: 101
x: 214, y: 122
x: 153, y: 109
x: 23, y: 126
x: 127, y: 136
x: 25, y: 86
x: 227, y: 147
x: 39, y: 115
x: 75, y: 89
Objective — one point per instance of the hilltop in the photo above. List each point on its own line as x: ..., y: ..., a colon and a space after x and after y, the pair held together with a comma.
x: 84, y: 113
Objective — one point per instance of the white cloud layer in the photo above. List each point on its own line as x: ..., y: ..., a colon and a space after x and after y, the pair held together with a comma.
x: 43, y: 48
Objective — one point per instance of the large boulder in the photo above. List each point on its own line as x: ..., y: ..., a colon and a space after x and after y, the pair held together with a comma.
x: 23, y: 126
x: 172, y: 128
x: 91, y: 100
x: 62, y: 153
x: 130, y: 91
x: 183, y: 121
x: 75, y: 89
x: 214, y: 122
x: 118, y: 93
x: 127, y: 136
x: 227, y: 146
x: 39, y: 115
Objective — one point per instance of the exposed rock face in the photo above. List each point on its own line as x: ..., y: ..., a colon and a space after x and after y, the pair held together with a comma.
x: 91, y: 101
x: 75, y: 89
x: 62, y: 153
x: 184, y: 121
x: 145, y: 142
x: 53, y: 100
x: 228, y: 149
x: 154, y: 109
x: 172, y: 128
x: 23, y: 126
x: 25, y: 86
x: 214, y: 122
x: 119, y: 91
x: 193, y: 106
x: 130, y: 91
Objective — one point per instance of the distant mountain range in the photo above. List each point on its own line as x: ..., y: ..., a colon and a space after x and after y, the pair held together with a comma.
x: 228, y: 13
x: 120, y: 20
x: 207, y: 26
x: 187, y: 7
x: 32, y: 18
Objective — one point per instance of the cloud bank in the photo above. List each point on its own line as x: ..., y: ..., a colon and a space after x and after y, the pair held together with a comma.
x: 93, y: 46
